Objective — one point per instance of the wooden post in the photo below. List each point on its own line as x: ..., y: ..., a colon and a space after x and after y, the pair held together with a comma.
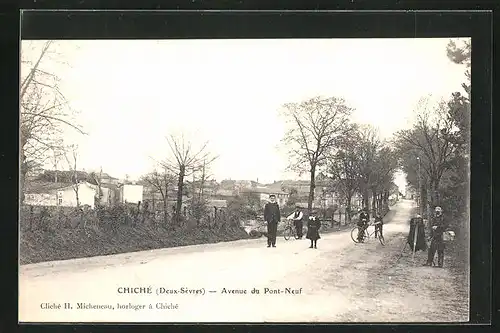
x: 415, y: 235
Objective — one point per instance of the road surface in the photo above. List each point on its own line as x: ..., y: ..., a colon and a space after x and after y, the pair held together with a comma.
x: 327, y: 284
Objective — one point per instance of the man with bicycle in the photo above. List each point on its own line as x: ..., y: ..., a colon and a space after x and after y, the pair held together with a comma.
x: 364, y: 218
x: 297, y: 217
x: 379, y: 222
x: 437, y: 243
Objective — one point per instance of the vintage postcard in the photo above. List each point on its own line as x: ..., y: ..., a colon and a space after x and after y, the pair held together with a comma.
x: 244, y: 180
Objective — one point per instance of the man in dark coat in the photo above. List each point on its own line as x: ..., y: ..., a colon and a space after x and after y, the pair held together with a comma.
x: 437, y: 243
x: 417, y: 222
x: 272, y: 216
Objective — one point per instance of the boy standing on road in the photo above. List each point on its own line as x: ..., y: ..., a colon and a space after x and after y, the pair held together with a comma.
x: 272, y: 216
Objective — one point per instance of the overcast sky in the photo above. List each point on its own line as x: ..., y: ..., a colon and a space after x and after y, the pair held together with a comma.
x: 131, y: 94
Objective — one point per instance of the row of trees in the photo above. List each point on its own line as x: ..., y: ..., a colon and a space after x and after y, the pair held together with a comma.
x: 439, y: 143
x: 352, y: 157
x: 323, y: 140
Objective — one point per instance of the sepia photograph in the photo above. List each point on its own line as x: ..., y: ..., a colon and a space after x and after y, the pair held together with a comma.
x: 245, y: 180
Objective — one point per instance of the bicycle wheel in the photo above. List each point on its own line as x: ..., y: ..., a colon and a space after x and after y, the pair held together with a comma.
x: 354, y: 234
x: 295, y: 235
x: 381, y: 239
x: 287, y: 233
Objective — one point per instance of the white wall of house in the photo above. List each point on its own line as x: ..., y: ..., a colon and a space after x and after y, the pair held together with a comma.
x: 64, y: 197
x: 131, y: 193
x: 41, y: 199
x: 281, y: 199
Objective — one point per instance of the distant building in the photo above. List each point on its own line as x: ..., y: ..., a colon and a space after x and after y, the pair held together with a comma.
x: 59, y: 194
x: 130, y: 193
x: 263, y: 193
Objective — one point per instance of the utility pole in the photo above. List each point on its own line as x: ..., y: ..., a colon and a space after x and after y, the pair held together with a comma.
x: 419, y: 190
x: 415, y: 235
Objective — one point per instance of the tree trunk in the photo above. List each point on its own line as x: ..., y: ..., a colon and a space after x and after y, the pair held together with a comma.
x: 312, y: 187
x: 22, y: 182
x: 348, y: 209
x: 180, y: 187
x: 374, y: 201
x: 365, y: 200
x: 165, y: 213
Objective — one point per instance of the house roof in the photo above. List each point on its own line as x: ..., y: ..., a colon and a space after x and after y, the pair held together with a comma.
x: 110, y: 186
x: 37, y: 187
x: 262, y: 190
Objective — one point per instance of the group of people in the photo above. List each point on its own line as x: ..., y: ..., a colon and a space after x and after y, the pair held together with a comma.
x: 272, y: 216
x: 437, y: 242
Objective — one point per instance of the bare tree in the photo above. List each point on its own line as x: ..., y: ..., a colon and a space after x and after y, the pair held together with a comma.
x: 369, y: 144
x: 343, y: 168
x: 44, y: 110
x: 429, y: 140
x: 384, y: 167
x: 161, y: 182
x: 316, y: 126
x: 72, y: 164
x: 185, y: 161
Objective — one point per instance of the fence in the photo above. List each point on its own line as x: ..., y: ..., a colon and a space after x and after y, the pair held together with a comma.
x: 52, y: 218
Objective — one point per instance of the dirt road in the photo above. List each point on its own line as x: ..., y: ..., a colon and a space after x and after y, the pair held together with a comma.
x: 339, y: 281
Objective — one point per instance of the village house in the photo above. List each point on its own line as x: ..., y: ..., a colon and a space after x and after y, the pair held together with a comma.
x: 130, y: 193
x: 263, y: 194
x: 41, y: 193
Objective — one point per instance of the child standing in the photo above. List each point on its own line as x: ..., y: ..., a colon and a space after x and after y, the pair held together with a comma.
x: 313, y: 226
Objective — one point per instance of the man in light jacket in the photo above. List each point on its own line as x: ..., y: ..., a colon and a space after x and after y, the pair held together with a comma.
x: 297, y: 217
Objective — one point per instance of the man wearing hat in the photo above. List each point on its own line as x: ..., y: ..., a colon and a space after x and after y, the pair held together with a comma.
x: 437, y: 243
x: 272, y: 216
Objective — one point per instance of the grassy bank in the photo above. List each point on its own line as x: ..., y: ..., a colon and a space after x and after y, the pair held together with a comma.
x: 67, y: 243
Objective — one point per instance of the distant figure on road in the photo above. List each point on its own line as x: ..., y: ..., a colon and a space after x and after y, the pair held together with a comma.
x: 272, y: 216
x: 313, y: 226
x: 437, y: 243
x: 364, y: 218
x: 297, y: 217
x: 417, y: 222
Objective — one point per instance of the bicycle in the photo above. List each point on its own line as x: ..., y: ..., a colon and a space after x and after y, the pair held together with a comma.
x: 290, y: 230
x: 366, y: 235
